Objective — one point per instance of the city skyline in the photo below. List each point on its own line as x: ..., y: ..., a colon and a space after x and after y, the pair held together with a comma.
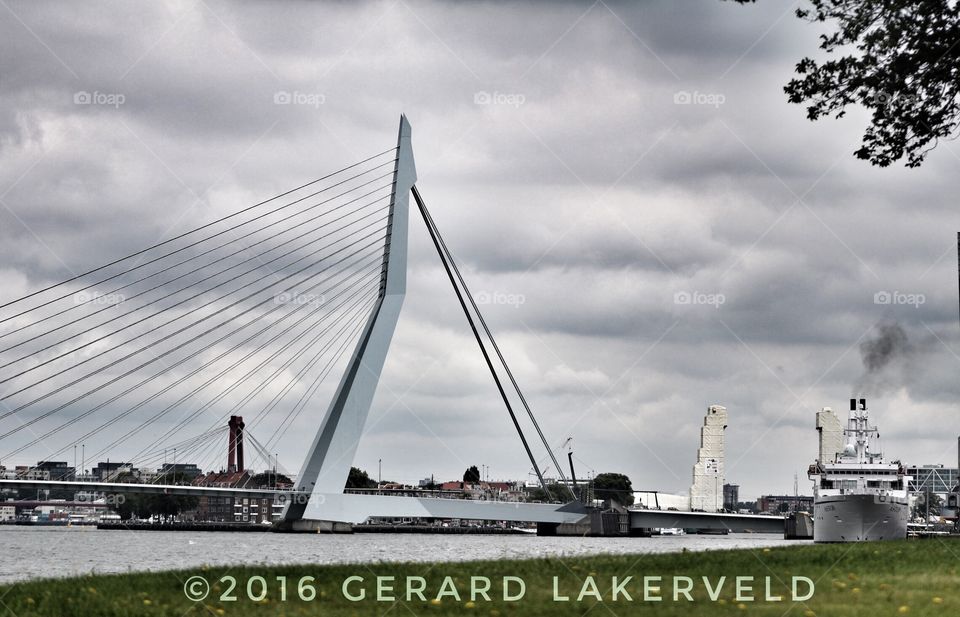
x: 649, y: 227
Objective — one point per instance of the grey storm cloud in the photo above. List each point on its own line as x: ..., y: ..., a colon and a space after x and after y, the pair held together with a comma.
x: 591, y: 161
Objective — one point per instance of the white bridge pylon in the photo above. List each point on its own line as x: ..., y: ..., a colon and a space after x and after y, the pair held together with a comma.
x: 330, y: 455
x: 327, y: 464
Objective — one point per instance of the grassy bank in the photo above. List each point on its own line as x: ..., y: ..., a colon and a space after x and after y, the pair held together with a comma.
x: 895, y: 579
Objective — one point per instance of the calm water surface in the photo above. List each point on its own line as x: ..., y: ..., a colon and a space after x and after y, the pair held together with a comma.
x: 32, y: 552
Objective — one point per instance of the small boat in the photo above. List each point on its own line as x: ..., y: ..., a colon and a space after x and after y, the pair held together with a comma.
x: 671, y: 531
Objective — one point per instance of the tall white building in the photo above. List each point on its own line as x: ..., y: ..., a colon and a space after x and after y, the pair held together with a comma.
x: 706, y: 493
x: 831, y: 435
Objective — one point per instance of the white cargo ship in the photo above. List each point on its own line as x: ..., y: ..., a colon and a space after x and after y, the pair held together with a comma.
x: 857, y: 496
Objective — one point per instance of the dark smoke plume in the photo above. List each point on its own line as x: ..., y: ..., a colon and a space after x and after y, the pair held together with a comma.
x: 889, y: 347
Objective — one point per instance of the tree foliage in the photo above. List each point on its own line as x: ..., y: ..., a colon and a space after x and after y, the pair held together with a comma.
x: 358, y: 478
x: 147, y: 506
x: 554, y: 493
x: 613, y: 486
x: 899, y: 59
x: 269, y: 479
x: 471, y: 475
x: 920, y: 507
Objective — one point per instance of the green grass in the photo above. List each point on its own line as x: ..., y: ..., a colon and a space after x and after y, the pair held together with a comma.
x: 875, y: 580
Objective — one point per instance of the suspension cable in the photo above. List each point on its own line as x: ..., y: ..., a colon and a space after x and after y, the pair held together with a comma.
x: 158, y: 357
x: 177, y: 304
x: 188, y: 326
x: 188, y: 418
x: 486, y: 356
x: 195, y: 270
x: 496, y: 347
x: 359, y: 318
x: 192, y: 231
x: 139, y: 384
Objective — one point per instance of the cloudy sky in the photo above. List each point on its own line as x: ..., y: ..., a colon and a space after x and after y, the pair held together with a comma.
x: 654, y: 227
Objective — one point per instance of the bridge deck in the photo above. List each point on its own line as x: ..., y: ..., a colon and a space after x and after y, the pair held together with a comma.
x: 150, y: 489
x: 356, y: 508
x: 661, y: 519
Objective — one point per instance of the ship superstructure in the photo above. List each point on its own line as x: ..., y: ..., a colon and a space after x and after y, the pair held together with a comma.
x: 857, y: 495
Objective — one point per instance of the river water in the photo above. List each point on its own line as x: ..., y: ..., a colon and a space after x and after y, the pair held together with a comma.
x: 32, y: 552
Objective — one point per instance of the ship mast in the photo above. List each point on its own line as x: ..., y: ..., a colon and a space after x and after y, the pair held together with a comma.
x: 859, y: 431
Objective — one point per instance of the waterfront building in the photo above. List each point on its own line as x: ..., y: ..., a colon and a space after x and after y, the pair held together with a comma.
x: 932, y: 479
x: 830, y: 431
x: 186, y: 471
x: 110, y: 472
x: 731, y: 497
x: 235, y: 509
x: 706, y: 493
x: 56, y: 470
x: 247, y: 510
x: 778, y: 504
x: 146, y: 476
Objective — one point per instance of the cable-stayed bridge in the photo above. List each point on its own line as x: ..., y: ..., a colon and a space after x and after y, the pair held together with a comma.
x: 275, y: 311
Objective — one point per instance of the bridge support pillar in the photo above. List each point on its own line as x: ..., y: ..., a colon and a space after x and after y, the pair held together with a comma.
x: 547, y: 529
x: 311, y: 526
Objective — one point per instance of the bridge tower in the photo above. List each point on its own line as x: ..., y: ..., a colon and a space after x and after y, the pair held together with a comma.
x: 331, y: 453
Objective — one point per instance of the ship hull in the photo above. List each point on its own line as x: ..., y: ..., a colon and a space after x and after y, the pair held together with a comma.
x: 859, y: 518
